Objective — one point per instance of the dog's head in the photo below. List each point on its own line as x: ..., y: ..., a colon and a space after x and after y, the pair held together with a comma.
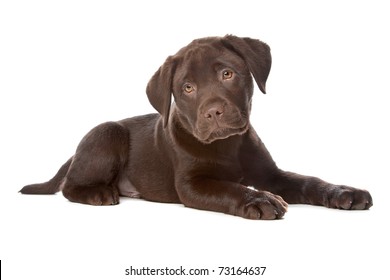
x: 211, y: 81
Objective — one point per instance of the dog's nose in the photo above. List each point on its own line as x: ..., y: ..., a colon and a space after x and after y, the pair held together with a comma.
x: 213, y: 113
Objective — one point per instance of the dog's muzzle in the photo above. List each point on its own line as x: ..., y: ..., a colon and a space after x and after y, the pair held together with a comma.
x: 220, y: 121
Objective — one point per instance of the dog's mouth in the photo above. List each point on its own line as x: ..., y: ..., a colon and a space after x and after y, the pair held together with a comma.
x: 221, y: 127
x: 221, y: 133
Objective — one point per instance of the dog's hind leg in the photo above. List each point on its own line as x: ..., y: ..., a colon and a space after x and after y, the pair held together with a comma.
x: 95, y: 171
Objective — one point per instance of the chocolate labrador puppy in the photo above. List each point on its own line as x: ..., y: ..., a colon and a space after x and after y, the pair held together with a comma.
x: 199, y: 150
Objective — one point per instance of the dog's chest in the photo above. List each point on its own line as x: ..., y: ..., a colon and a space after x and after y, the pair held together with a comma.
x: 224, y: 167
x: 220, y: 160
x: 229, y: 171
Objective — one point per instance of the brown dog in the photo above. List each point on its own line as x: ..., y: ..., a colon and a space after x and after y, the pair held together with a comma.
x: 200, y: 150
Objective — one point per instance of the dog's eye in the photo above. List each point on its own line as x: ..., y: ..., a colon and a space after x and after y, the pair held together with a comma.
x: 227, y: 74
x: 188, y: 88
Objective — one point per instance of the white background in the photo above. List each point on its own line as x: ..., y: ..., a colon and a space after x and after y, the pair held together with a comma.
x: 66, y: 66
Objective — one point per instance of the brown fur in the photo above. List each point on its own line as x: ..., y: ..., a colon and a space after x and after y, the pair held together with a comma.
x: 200, y: 150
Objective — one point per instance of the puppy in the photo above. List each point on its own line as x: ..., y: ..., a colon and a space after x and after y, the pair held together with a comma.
x: 201, y: 149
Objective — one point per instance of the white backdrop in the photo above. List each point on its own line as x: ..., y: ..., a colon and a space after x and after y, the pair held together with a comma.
x: 68, y: 66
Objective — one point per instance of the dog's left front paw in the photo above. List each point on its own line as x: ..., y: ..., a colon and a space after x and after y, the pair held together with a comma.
x: 348, y: 198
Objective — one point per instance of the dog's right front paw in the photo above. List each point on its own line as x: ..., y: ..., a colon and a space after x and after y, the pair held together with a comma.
x: 263, y: 205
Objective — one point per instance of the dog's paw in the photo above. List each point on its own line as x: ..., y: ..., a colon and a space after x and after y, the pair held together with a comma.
x: 104, y: 196
x: 263, y: 205
x: 348, y: 198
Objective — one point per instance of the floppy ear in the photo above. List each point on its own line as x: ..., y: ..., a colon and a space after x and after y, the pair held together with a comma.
x: 159, y: 89
x: 256, y: 55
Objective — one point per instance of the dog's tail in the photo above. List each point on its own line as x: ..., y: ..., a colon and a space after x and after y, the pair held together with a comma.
x: 50, y: 187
